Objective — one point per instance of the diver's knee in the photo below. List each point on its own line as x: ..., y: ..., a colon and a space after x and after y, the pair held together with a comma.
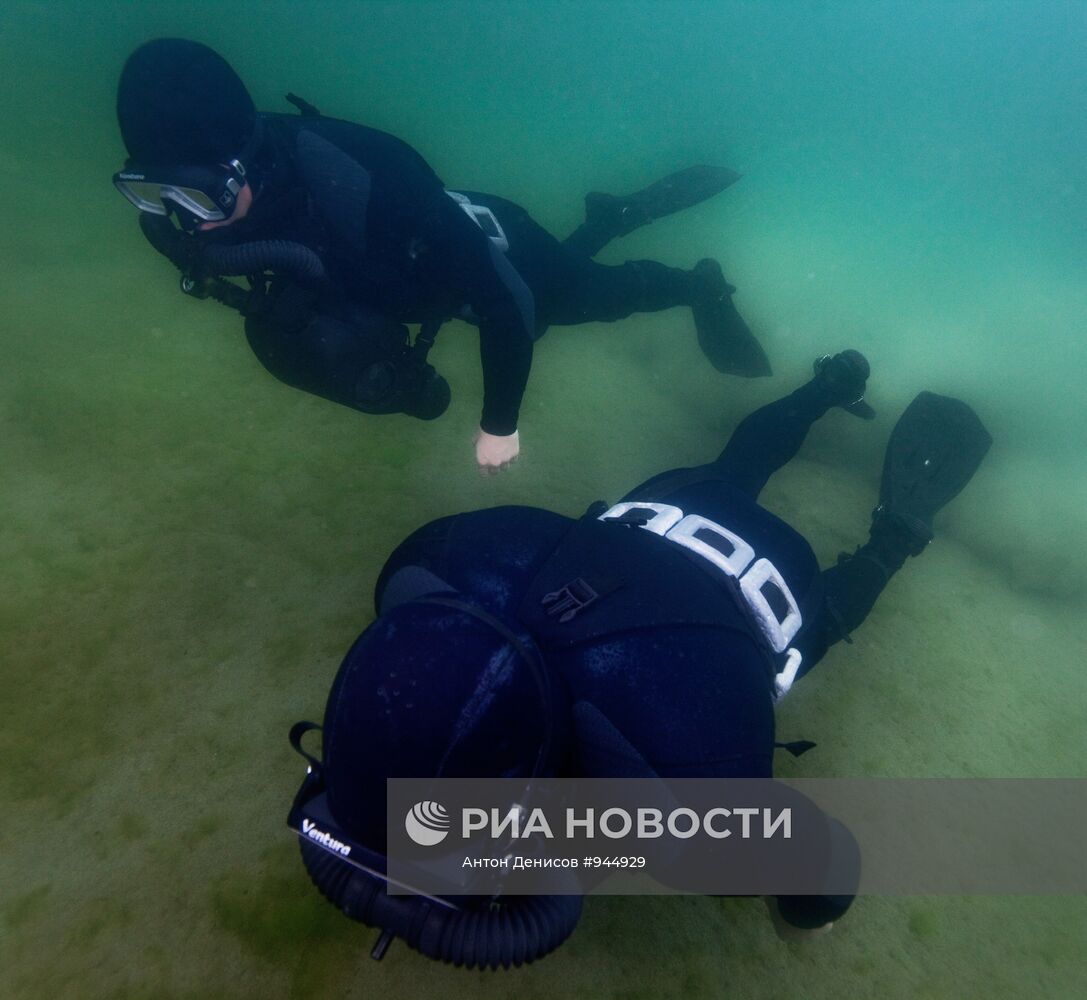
x: 366, y: 365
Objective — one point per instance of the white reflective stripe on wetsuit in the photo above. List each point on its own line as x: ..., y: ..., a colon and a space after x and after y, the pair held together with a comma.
x: 738, y: 563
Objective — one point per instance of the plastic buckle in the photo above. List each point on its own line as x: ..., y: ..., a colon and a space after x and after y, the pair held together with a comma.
x: 484, y: 218
x: 569, y: 600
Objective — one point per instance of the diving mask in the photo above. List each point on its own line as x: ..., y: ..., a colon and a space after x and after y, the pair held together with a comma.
x: 194, y: 194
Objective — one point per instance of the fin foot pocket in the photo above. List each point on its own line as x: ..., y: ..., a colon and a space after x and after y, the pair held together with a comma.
x: 843, y: 379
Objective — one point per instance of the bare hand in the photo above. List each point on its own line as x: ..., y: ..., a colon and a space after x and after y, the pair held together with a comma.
x: 495, y: 452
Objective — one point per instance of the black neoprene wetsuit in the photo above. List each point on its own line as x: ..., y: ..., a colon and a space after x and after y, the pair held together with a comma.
x: 394, y: 243
x: 665, y: 674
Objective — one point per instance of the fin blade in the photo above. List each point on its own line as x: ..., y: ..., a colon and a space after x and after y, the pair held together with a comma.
x: 683, y: 189
x: 727, y: 341
x: 933, y: 452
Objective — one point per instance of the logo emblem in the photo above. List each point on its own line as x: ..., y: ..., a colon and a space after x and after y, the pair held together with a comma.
x: 427, y: 823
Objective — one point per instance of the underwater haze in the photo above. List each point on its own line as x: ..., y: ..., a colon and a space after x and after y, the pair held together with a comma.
x: 189, y: 547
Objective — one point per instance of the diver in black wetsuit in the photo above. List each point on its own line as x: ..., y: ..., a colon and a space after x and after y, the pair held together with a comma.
x: 666, y: 627
x: 361, y: 236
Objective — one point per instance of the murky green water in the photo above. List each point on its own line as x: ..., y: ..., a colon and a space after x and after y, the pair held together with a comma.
x: 189, y: 547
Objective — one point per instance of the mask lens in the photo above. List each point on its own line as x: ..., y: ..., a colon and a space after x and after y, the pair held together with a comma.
x: 145, y: 195
x: 145, y: 192
x: 196, y: 201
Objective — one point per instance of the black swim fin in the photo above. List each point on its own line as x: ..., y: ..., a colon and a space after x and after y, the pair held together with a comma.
x: 842, y: 379
x: 667, y: 196
x: 609, y: 216
x: 725, y: 339
x: 934, y: 451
